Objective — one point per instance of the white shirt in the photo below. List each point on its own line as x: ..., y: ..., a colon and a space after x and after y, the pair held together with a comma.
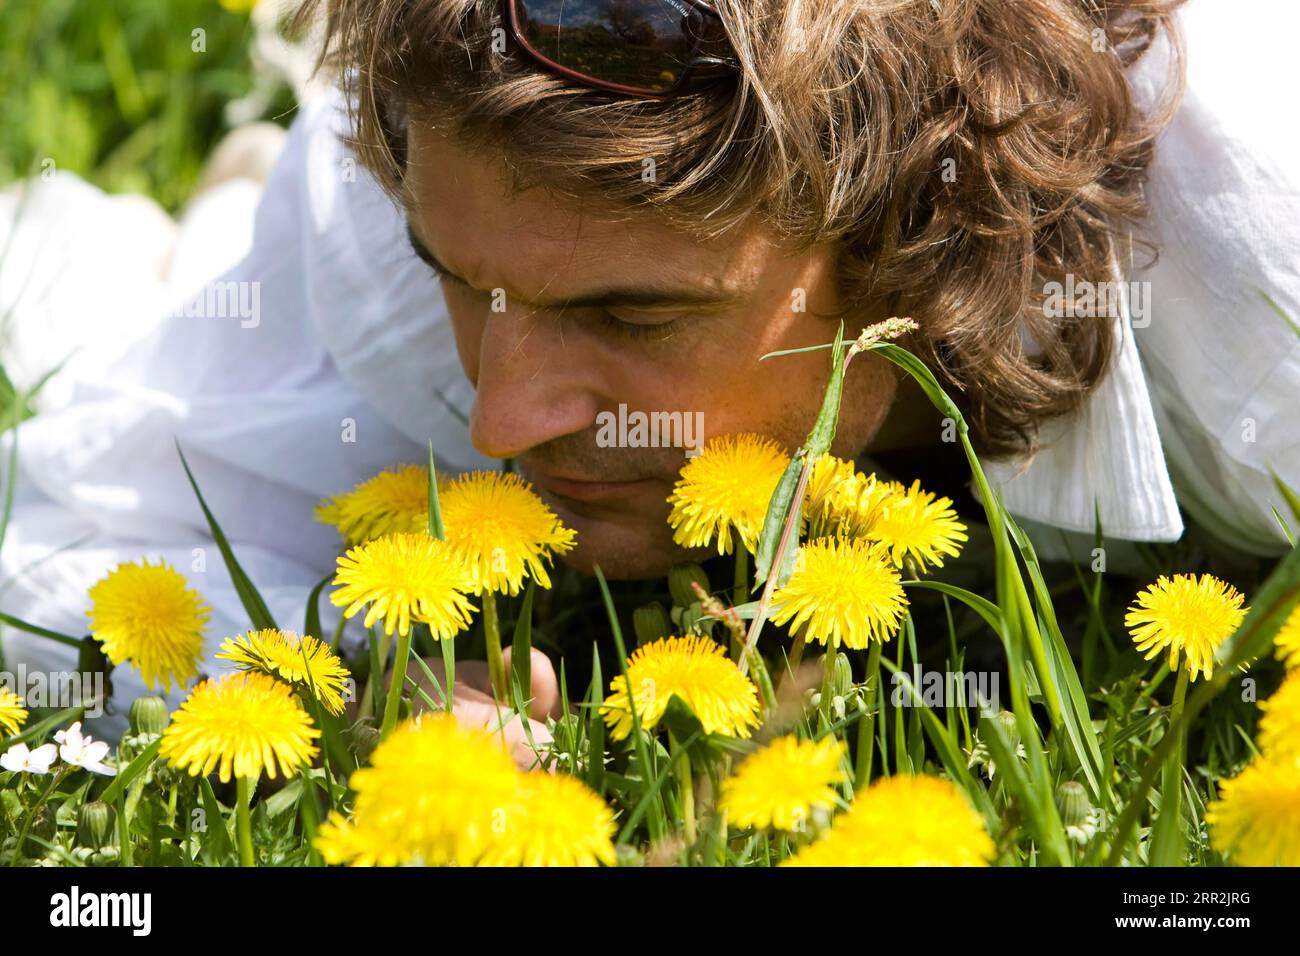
x: 348, y: 366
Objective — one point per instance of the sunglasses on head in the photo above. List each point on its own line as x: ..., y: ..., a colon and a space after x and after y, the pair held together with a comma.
x: 656, y: 48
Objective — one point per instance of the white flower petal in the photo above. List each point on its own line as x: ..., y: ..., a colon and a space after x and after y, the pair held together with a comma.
x: 41, y: 758
x: 95, y: 751
x: 15, y: 758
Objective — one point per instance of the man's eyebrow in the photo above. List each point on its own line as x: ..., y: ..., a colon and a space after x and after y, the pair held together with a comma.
x: 617, y: 297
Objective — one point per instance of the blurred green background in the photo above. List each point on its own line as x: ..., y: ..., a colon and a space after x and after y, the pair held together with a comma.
x: 114, y: 91
x: 130, y: 95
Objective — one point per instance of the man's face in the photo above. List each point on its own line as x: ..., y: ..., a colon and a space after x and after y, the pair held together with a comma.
x: 564, y: 311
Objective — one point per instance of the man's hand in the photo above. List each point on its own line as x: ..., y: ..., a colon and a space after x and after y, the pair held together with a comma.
x: 473, y: 705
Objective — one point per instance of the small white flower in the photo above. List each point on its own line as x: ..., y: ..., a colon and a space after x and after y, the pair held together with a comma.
x: 21, y: 760
x: 79, y: 750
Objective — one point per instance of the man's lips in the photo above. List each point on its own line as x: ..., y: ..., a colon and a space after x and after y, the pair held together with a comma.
x: 591, y: 492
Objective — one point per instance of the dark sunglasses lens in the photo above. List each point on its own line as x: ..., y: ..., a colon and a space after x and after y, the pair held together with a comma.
x: 641, y: 43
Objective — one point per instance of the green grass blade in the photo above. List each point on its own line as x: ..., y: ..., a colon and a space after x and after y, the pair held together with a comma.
x: 436, y: 528
x: 311, y: 622
x: 126, y: 776
x: 596, y: 727
x: 258, y: 613
x: 521, y: 645
x: 36, y: 629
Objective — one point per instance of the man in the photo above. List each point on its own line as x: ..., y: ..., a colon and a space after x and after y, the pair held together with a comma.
x: 526, y: 221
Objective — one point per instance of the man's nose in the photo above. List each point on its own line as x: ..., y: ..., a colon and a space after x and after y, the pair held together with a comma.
x: 531, y: 387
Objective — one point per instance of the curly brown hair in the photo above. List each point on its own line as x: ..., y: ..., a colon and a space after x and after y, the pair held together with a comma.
x: 839, y: 127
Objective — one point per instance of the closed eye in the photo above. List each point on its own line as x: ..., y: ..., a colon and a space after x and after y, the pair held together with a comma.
x: 640, y: 331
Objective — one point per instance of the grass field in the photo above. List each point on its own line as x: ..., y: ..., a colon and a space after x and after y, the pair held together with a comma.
x: 115, y: 91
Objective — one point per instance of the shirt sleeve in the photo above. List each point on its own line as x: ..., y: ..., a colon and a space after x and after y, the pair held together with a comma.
x: 323, y: 357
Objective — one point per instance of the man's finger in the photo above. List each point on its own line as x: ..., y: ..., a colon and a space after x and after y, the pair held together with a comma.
x: 472, y: 709
x: 545, y: 691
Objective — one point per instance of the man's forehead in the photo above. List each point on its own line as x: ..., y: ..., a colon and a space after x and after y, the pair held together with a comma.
x: 540, y: 247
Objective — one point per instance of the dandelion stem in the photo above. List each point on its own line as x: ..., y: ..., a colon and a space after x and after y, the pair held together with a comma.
x: 741, y: 590
x: 338, y: 633
x: 123, y: 830
x: 449, y: 669
x: 393, y: 700
x: 867, y: 728
x: 244, y: 820
x: 1172, y: 775
x: 828, y: 684
x: 686, y: 786
x: 492, y: 631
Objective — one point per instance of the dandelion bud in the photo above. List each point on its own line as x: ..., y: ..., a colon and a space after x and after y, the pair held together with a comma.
x: 686, y: 618
x: 650, y: 622
x: 149, y: 715
x: 1007, y: 721
x: 363, y: 738
x: 94, y: 825
x: 1073, y: 804
x: 679, y: 583
x: 566, y: 733
x: 842, y: 676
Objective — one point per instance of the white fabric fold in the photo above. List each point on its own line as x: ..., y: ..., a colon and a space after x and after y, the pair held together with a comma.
x: 1105, y: 463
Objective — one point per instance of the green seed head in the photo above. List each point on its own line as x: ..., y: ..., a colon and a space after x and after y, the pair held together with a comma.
x: 1073, y: 804
x: 1007, y: 720
x: 650, y: 622
x: 149, y: 715
x: 94, y: 824
x: 679, y: 583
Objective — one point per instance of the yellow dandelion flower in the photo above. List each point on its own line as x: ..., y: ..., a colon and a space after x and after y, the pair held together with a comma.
x: 149, y: 615
x: 843, y: 591
x: 695, y: 669
x: 1279, y: 724
x: 904, y: 820
x: 1185, y: 613
x: 404, y: 578
x: 430, y: 796
x: 832, y: 484
x: 305, y: 662
x: 242, y: 724
x: 393, y: 502
x: 1256, y: 819
x: 1287, y: 640
x: 725, y: 490
x: 502, y: 530
x: 840, y: 500
x: 12, y: 712
x: 555, y: 820
x: 916, y: 526
x: 780, y: 785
